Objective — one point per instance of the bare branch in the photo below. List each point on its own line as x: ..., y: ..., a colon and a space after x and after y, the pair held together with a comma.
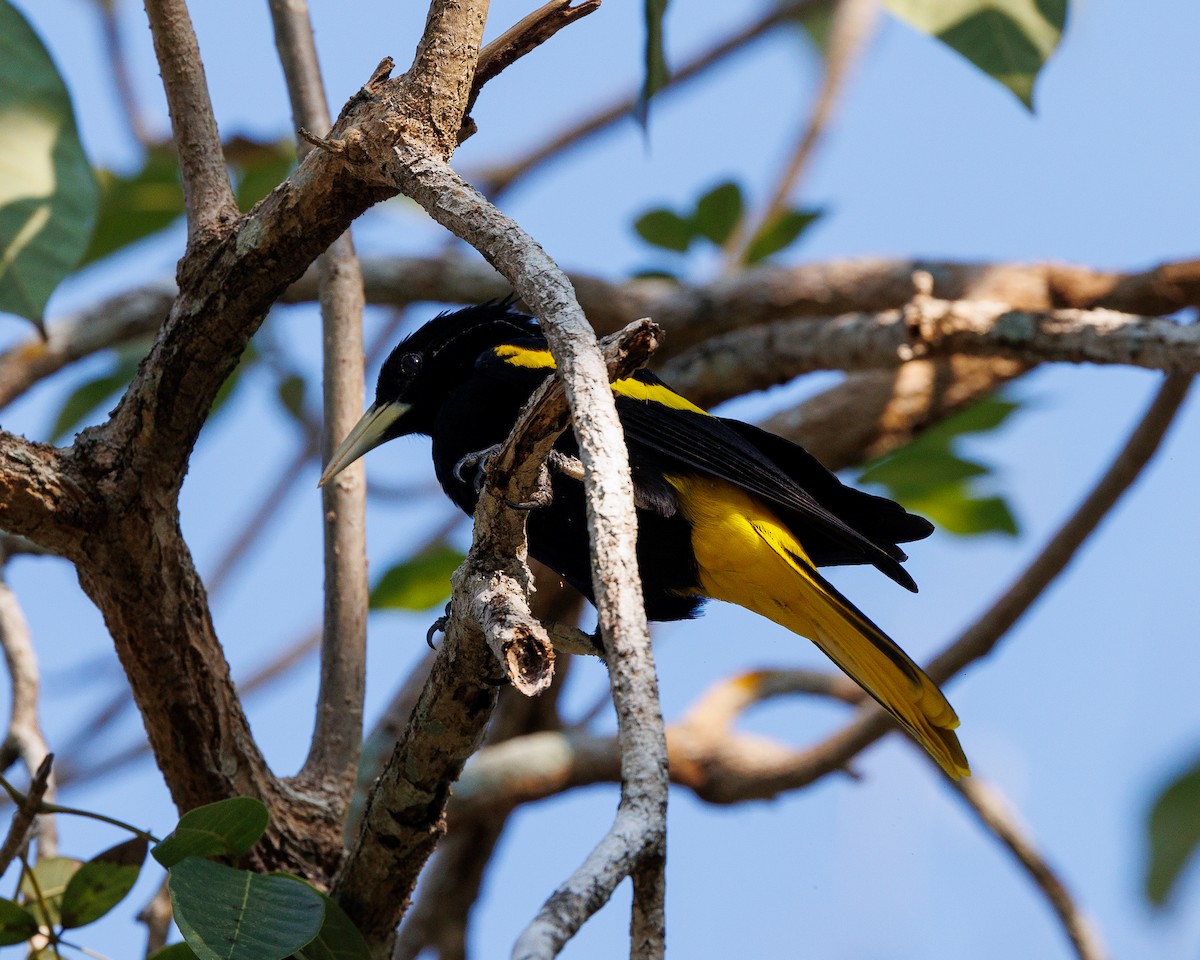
x: 688, y: 314
x: 26, y: 814
x: 852, y: 25
x: 24, y: 738
x: 640, y: 825
x: 523, y: 37
x: 207, y: 194
x: 994, y: 812
x: 762, y: 357
x: 979, y: 639
x: 120, y: 72
x: 332, y: 762
x: 495, y: 180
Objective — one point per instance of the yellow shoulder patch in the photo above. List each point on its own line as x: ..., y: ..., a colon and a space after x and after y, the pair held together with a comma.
x: 656, y: 393
x: 519, y: 356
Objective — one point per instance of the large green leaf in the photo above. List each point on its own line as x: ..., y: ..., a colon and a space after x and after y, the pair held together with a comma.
x: 16, y: 923
x: 227, y: 828
x: 418, y: 583
x: 1173, y: 829
x: 102, y: 883
x: 174, y: 951
x: 43, y: 892
x: 259, y: 167
x: 229, y: 914
x: 930, y: 477
x: 1009, y: 40
x: 48, y: 196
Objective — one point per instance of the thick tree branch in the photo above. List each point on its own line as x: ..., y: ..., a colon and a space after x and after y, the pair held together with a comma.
x: 688, y: 314
x: 332, y: 763
x: 207, y: 194
x: 762, y: 357
x: 641, y: 819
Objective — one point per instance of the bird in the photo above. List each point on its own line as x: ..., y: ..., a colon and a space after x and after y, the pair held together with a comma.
x: 725, y: 509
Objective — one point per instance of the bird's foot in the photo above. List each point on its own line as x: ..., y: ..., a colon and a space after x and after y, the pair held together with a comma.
x: 438, y: 626
x: 477, y: 462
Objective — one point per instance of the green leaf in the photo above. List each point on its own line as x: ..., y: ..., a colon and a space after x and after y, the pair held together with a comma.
x: 338, y: 939
x: 52, y: 874
x: 16, y: 923
x: 1173, y: 831
x: 718, y: 212
x: 656, y: 59
x: 665, y: 229
x: 102, y: 883
x: 227, y: 828
x: 91, y: 395
x: 816, y: 19
x: 780, y: 233
x: 135, y: 206
x: 1010, y: 40
x: 929, y: 477
x: 174, y: 951
x: 418, y: 583
x: 956, y: 510
x: 229, y: 914
x: 48, y: 195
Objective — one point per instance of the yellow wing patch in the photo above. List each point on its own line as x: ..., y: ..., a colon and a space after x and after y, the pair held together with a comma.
x: 519, y: 356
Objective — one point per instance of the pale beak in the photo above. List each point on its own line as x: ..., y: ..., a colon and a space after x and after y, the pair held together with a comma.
x: 367, y: 434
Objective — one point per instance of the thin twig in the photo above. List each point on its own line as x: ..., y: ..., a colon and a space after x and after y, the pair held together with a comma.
x: 26, y: 815
x: 117, y: 61
x: 497, y: 179
x: 156, y: 915
x: 272, y: 502
x: 332, y: 761
x: 994, y: 812
x: 207, y: 193
x: 849, y: 31
x: 24, y: 738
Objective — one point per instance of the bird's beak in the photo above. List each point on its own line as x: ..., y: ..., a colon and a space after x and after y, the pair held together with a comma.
x: 367, y: 434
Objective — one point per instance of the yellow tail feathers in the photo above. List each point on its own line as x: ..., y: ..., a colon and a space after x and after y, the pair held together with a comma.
x: 747, y: 556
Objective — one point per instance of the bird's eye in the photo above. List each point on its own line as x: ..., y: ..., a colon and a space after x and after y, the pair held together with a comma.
x: 410, y: 364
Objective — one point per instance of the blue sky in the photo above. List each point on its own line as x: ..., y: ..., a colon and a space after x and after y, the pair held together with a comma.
x: 1085, y: 708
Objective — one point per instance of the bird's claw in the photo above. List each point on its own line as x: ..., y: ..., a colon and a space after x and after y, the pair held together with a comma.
x: 438, y: 626
x: 477, y: 461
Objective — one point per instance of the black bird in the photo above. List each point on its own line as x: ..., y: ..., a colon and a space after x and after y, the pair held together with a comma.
x: 725, y: 510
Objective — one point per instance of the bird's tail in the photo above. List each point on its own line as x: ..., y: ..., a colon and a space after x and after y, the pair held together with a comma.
x: 746, y: 555
x: 865, y: 653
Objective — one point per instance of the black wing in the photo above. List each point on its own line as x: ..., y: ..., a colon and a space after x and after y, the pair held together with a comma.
x: 836, y: 524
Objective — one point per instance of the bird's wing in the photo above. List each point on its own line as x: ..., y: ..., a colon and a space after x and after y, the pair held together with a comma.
x: 676, y: 435
x: 668, y: 433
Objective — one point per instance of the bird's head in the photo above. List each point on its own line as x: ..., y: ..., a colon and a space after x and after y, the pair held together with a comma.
x: 421, y: 372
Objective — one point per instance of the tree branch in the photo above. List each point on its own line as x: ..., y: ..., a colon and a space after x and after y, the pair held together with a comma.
x: 332, y: 763
x: 992, y: 810
x: 207, y: 194
x: 762, y: 357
